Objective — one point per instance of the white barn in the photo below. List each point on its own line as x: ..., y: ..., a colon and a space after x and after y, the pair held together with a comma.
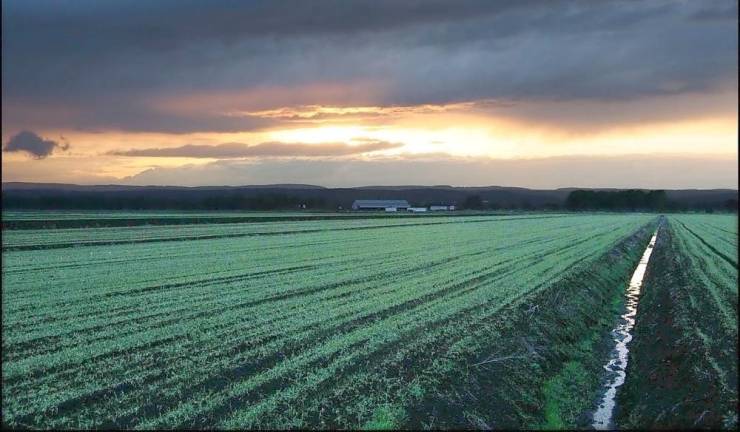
x: 380, y: 205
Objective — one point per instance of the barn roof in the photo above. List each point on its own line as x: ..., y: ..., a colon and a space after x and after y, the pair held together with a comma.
x: 380, y: 203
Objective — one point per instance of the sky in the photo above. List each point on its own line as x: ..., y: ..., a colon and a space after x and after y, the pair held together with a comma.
x: 529, y: 93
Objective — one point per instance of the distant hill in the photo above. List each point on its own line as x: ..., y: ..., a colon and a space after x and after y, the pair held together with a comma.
x: 18, y: 195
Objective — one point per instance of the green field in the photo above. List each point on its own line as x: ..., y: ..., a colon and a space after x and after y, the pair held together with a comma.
x: 67, y: 237
x: 29, y: 219
x: 324, y: 323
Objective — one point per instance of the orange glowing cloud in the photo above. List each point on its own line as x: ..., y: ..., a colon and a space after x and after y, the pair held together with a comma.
x: 329, y: 113
x: 268, y: 98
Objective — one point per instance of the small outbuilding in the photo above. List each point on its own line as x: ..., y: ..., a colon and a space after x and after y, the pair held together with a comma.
x: 441, y: 208
x: 380, y: 205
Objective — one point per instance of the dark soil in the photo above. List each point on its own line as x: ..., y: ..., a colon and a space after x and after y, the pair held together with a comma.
x: 671, y: 383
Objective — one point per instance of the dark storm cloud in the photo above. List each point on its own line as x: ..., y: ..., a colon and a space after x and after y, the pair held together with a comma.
x: 238, y: 150
x: 166, y: 23
x: 34, y: 145
x: 124, y: 114
x: 107, y: 63
x: 716, y: 10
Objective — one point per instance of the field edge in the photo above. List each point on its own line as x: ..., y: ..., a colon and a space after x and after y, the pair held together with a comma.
x: 672, y: 376
x: 539, y: 364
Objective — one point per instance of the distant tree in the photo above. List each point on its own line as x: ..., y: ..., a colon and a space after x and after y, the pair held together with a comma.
x: 657, y: 200
x: 580, y: 200
x: 628, y: 200
x: 676, y: 206
x: 473, y: 202
x: 730, y: 205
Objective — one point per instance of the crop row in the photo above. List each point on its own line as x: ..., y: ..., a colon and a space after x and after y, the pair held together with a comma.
x: 75, y: 237
x: 243, y: 331
x: 708, y: 245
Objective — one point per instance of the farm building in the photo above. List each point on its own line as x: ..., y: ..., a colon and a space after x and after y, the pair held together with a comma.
x: 380, y: 204
x: 441, y: 207
x: 417, y: 209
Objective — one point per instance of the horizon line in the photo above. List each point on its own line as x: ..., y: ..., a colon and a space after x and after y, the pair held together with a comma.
x: 305, y: 185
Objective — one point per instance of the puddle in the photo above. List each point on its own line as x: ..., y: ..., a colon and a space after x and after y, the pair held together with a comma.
x: 617, y: 365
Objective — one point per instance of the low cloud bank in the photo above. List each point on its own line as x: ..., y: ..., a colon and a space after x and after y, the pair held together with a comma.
x: 269, y: 149
x: 639, y: 171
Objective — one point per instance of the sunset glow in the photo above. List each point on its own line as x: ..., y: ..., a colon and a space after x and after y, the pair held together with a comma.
x: 421, y: 105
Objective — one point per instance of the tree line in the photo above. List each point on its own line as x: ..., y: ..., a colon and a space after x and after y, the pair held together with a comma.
x: 623, y: 200
x: 628, y: 200
x: 330, y: 200
x: 637, y: 200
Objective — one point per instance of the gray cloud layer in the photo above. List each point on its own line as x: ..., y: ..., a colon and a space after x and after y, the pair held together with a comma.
x: 32, y: 144
x: 104, y: 63
x: 238, y: 150
x: 623, y: 172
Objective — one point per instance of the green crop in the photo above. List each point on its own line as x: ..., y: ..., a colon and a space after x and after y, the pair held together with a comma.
x: 265, y: 324
x: 709, y: 253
